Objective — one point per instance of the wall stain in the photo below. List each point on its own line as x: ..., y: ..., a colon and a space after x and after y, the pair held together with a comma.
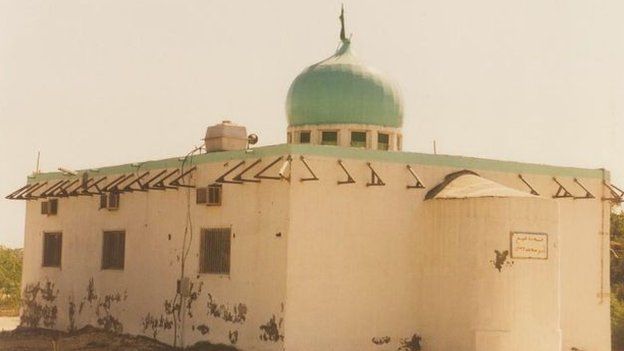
x: 271, y: 330
x: 500, y: 260
x: 71, y: 312
x: 381, y: 340
x: 410, y: 344
x: 105, y: 319
x: 235, y: 314
x: 203, y: 329
x: 233, y: 336
x: 37, y: 305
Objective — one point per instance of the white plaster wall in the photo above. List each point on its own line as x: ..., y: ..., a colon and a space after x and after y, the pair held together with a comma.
x: 355, y: 272
x: 333, y: 297
x: 256, y: 213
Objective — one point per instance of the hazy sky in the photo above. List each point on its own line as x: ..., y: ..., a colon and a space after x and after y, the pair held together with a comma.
x: 95, y: 83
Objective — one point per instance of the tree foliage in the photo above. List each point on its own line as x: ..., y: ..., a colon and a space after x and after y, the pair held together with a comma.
x: 10, y: 278
x: 617, y: 280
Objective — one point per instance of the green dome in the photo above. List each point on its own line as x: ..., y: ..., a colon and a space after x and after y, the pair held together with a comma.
x: 340, y: 90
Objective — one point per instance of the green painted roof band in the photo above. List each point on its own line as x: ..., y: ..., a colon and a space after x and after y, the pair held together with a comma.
x: 412, y: 158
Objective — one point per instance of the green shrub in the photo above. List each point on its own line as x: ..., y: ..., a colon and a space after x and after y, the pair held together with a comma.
x: 10, y: 278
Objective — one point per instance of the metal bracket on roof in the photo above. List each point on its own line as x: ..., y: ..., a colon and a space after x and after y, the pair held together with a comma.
x: 588, y: 195
x: 147, y: 186
x: 375, y: 178
x: 239, y: 177
x: 562, y: 192
x: 350, y: 179
x: 137, y: 181
x: 260, y: 175
x: 114, y: 183
x: 222, y: 179
x: 160, y: 185
x: 307, y: 166
x: 50, y: 191
x: 12, y: 195
x: 87, y: 186
x: 176, y: 181
x: 419, y: 184
x: 533, y: 191
x: 62, y: 190
x: 617, y: 194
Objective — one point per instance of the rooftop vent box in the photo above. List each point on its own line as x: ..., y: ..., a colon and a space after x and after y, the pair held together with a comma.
x: 225, y: 136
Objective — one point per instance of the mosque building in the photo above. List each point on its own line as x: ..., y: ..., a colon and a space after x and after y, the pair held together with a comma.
x: 336, y: 240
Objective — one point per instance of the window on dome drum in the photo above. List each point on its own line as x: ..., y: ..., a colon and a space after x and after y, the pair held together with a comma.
x: 399, y: 142
x: 383, y: 141
x: 358, y: 139
x: 52, y: 248
x: 113, y: 249
x: 329, y: 138
x: 49, y: 207
x: 214, y: 254
x: 289, y: 138
x: 304, y: 137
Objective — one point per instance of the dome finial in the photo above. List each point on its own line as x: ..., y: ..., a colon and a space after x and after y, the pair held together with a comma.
x: 343, y: 36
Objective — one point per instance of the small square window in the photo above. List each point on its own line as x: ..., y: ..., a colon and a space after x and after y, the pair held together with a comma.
x: 201, y: 194
x: 383, y: 141
x: 52, y: 248
x: 109, y: 201
x: 113, y: 250
x: 215, y: 192
x: 49, y: 207
x: 329, y: 138
x: 304, y: 137
x: 214, y: 256
x: 358, y: 139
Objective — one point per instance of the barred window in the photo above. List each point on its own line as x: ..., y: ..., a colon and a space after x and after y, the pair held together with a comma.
x: 214, y: 255
x: 113, y: 250
x: 52, y: 247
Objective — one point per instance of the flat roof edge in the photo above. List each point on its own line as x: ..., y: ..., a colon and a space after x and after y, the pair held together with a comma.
x: 412, y: 158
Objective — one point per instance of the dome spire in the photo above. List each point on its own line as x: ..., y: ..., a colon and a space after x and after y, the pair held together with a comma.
x: 343, y: 36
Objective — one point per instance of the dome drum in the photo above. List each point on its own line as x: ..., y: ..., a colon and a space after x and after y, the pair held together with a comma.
x: 365, y: 136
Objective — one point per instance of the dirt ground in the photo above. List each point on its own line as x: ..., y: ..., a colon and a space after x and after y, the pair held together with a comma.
x: 87, y: 338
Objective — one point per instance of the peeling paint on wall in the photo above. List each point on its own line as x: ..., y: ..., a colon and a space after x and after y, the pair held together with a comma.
x: 38, y: 305
x: 410, y: 344
x: 381, y: 340
x: 233, y: 336
x: 271, y: 330
x: 235, y: 314
x: 500, y: 260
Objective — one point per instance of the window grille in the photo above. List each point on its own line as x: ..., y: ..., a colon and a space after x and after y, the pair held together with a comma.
x: 214, y: 253
x: 113, y: 250
x: 201, y: 195
x: 52, y: 247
